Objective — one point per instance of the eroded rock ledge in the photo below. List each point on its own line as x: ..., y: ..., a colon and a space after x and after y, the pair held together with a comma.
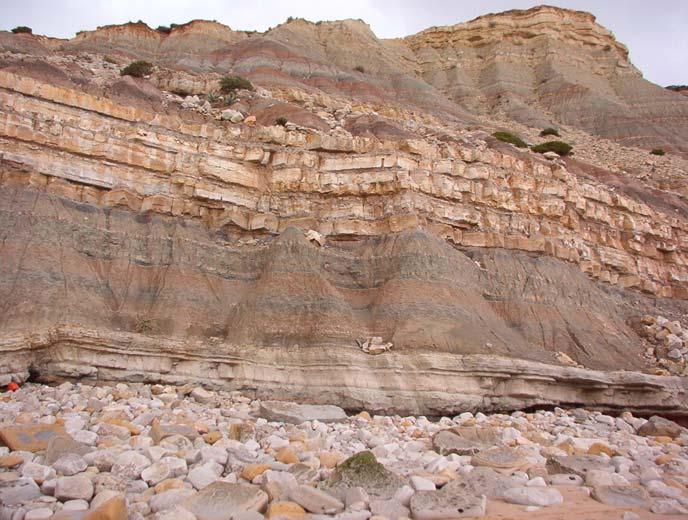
x: 266, y: 179
x: 405, y: 383
x: 177, y: 252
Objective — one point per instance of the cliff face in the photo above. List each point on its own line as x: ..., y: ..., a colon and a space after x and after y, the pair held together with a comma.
x: 142, y: 240
x: 546, y: 66
x: 542, y: 66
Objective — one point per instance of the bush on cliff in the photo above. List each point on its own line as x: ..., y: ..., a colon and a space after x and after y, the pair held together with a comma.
x: 549, y: 131
x: 558, y: 147
x: 229, y: 84
x: 22, y: 29
x: 657, y: 151
x: 137, y: 69
x: 507, y: 137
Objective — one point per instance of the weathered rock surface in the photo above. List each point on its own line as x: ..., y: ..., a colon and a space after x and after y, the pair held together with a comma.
x: 32, y: 438
x: 446, y: 442
x: 315, y: 500
x: 298, y: 413
x: 578, y: 464
x: 362, y: 470
x: 661, y: 427
x: 555, y: 65
x: 480, y: 481
x: 159, y: 242
x: 533, y: 496
x: 220, y: 498
x: 622, y: 496
x: 435, y: 505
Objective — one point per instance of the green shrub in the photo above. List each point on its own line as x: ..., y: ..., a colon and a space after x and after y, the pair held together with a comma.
x: 558, y: 147
x: 510, y: 138
x: 231, y: 83
x: 359, y: 68
x: 164, y: 29
x: 212, y: 97
x: 282, y: 121
x: 22, y: 29
x: 137, y: 69
x: 549, y: 131
x: 657, y: 151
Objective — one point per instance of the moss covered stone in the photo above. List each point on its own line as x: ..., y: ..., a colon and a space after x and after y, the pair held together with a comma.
x: 363, y: 470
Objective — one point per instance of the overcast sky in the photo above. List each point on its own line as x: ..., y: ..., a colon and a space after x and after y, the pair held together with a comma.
x: 656, y: 31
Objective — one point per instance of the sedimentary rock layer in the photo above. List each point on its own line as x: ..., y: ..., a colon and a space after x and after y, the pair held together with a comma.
x: 266, y: 178
x: 423, y: 383
x: 149, y: 245
x: 187, y: 240
x: 541, y: 66
x: 548, y: 65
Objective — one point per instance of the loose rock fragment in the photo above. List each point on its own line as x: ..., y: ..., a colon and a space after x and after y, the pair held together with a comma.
x: 219, y: 498
x: 299, y: 413
x: 533, y: 496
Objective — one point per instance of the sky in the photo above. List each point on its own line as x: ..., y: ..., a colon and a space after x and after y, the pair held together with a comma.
x: 656, y: 32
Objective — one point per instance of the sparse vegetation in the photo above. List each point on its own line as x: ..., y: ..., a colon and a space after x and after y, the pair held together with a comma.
x: 559, y: 147
x: 359, y: 68
x: 510, y: 138
x: 143, y: 324
x: 22, y: 29
x: 137, y: 69
x: 212, y: 97
x: 282, y: 121
x: 677, y: 88
x: 110, y: 59
x: 164, y: 29
x: 549, y: 131
x: 657, y: 151
x: 230, y: 84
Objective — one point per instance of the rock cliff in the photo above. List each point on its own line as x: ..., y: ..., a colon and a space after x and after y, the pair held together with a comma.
x: 541, y: 66
x: 145, y: 237
x: 549, y: 65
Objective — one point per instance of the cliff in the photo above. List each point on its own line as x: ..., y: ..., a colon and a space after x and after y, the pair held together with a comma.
x: 144, y: 239
x: 542, y: 66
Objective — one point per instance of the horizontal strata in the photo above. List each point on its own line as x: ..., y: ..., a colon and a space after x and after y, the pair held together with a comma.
x: 266, y: 179
x: 575, y: 27
x: 437, y: 383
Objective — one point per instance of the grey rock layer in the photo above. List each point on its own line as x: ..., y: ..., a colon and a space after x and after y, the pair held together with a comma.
x: 282, y: 411
x: 432, y: 383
